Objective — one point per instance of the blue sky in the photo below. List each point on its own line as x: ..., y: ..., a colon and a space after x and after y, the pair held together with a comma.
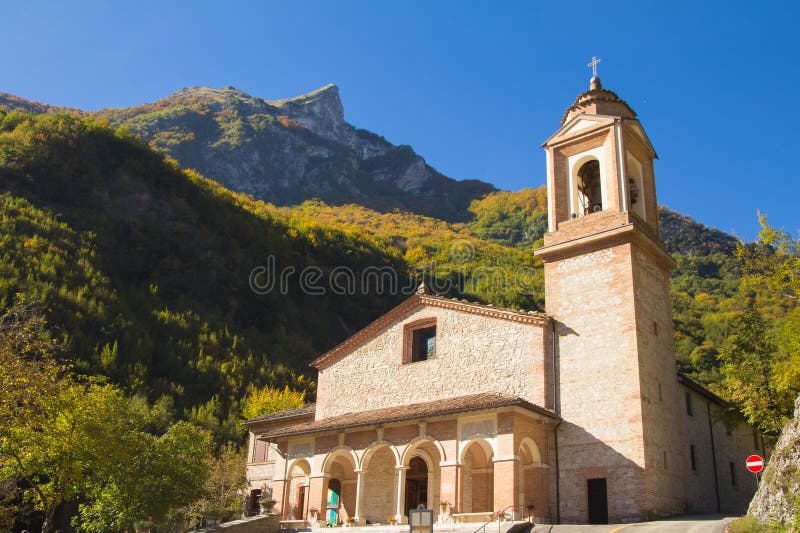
x: 474, y: 87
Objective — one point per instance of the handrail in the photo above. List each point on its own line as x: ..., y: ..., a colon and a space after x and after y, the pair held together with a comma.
x: 498, y: 514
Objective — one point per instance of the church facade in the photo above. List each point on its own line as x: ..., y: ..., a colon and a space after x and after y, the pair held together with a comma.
x: 575, y: 415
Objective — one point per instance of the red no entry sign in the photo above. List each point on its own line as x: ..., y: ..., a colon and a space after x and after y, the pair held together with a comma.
x: 755, y: 463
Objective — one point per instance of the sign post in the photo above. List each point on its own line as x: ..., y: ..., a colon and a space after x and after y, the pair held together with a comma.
x: 755, y: 464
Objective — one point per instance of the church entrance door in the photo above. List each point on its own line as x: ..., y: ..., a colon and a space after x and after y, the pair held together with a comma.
x: 416, y: 484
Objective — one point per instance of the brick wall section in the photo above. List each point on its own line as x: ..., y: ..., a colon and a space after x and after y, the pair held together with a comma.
x: 510, y: 357
x: 600, y: 392
x: 658, y: 382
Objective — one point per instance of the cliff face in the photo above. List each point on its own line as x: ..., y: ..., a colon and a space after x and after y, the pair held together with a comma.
x: 288, y: 151
x: 778, y: 495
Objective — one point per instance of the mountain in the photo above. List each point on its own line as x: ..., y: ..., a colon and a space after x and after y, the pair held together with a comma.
x: 288, y: 151
x: 681, y: 234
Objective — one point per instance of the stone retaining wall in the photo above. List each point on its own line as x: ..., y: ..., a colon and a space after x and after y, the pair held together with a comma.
x: 253, y: 524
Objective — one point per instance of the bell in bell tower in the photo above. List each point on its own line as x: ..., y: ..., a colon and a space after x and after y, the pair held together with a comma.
x: 607, y: 287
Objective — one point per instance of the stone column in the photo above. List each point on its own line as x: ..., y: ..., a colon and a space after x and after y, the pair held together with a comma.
x: 431, y: 501
x: 279, y: 495
x: 317, y: 495
x: 506, y: 483
x: 401, y: 492
x: 359, y: 490
x: 450, y: 485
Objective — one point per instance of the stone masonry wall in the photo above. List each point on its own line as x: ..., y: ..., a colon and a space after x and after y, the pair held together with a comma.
x: 255, y: 524
x: 699, y: 490
x: 473, y: 354
x: 732, y: 444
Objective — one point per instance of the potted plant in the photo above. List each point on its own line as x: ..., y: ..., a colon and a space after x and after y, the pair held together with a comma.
x: 212, y: 515
x: 266, y: 502
x: 392, y: 521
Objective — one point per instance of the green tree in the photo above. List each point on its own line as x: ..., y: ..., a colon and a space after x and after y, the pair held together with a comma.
x: 761, y: 369
x: 28, y: 378
x: 58, y: 446
x: 224, y: 486
x: 148, y: 478
x: 749, y: 362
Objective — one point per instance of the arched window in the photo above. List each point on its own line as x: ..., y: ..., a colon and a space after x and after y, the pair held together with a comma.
x: 590, y: 191
x: 635, y: 192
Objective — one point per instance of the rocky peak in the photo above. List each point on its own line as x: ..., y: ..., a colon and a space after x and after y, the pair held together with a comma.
x: 320, y: 110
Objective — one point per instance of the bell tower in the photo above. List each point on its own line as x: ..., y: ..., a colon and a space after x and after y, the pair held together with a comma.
x: 607, y: 287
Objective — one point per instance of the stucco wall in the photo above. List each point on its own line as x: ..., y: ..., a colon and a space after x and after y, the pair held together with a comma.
x: 473, y: 354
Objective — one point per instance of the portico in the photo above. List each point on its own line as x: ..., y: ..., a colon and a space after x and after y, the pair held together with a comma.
x: 465, y: 457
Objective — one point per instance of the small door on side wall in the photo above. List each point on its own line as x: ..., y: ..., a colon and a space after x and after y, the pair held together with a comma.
x: 597, y: 495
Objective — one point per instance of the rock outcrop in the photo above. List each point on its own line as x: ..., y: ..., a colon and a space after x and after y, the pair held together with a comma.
x: 778, y: 495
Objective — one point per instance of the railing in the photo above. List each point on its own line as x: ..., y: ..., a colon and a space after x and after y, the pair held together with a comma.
x: 501, y: 514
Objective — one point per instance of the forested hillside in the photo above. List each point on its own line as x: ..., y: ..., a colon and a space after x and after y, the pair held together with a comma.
x: 143, y: 268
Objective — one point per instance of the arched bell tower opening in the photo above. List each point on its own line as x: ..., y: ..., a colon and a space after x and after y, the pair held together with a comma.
x: 589, y: 188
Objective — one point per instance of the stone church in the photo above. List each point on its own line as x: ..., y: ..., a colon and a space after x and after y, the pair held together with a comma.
x: 575, y: 416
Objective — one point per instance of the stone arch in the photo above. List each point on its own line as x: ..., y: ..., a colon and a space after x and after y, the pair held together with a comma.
x: 415, y: 443
x: 338, y: 467
x: 485, y: 444
x: 298, y: 462
x: 374, y: 447
x: 530, y: 473
x: 345, y: 452
x: 477, y: 476
x: 297, y: 478
x: 528, y: 449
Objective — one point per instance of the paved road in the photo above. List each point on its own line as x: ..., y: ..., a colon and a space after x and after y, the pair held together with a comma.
x: 689, y: 524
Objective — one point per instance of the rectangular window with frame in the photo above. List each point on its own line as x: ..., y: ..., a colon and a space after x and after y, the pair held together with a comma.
x: 692, y: 456
x: 419, y: 341
x: 733, y: 474
x: 689, y: 404
x: 259, y: 451
x: 423, y: 344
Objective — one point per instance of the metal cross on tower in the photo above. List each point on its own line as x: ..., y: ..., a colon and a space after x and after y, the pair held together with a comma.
x: 593, y: 63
